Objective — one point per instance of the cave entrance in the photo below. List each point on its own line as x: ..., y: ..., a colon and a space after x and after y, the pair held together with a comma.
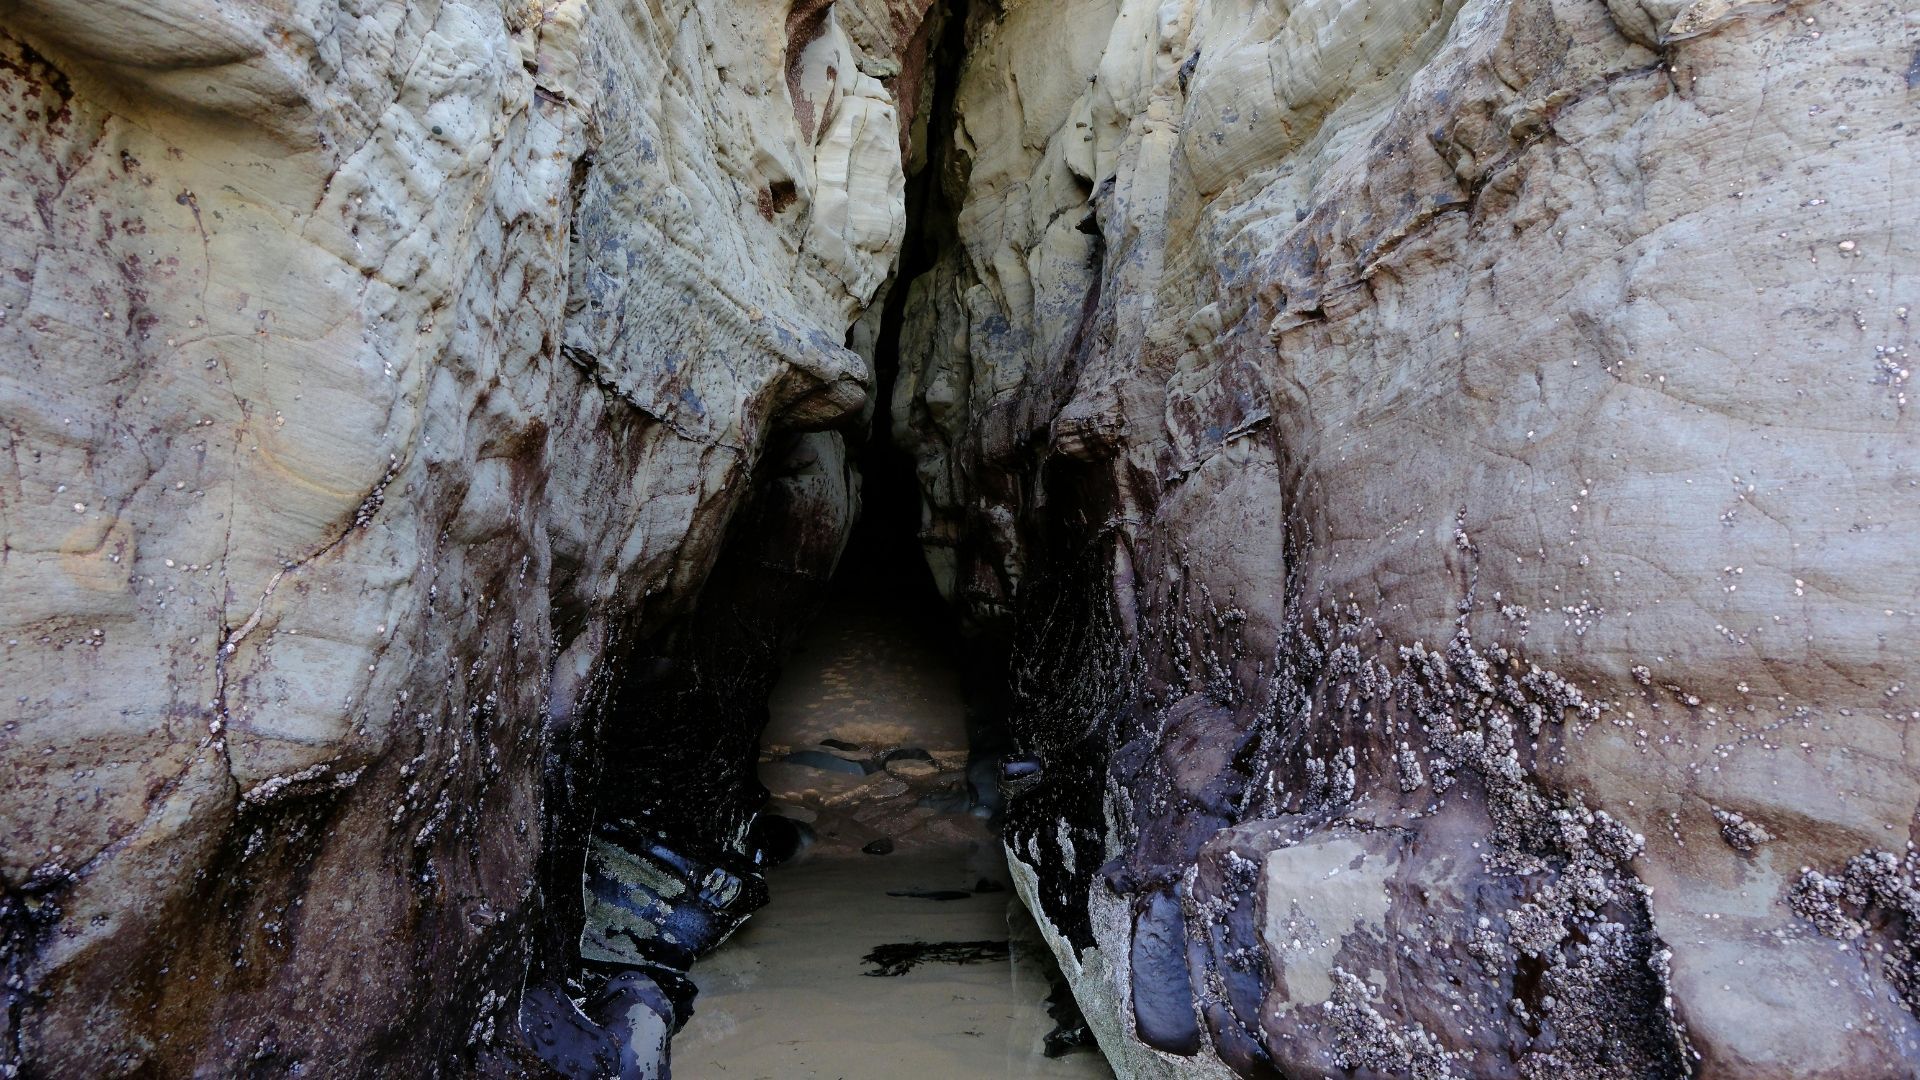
x: 892, y: 943
x: 824, y: 757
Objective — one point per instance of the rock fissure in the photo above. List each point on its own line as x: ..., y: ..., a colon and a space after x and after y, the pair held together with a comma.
x: 1358, y: 682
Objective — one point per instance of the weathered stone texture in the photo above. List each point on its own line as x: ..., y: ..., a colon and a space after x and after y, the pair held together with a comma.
x: 1441, y: 470
x: 1498, y: 410
x: 372, y: 370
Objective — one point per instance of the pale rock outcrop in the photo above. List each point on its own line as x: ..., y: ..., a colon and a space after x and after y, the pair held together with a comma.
x: 1474, y: 439
x: 373, y: 370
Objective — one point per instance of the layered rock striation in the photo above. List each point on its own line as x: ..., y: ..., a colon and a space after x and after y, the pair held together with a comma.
x: 1443, y: 468
x: 377, y: 377
x: 1434, y: 475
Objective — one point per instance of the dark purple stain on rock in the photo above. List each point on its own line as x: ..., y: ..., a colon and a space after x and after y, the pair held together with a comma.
x: 1162, y: 990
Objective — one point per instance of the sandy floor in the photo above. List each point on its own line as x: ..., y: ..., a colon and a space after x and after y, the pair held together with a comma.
x: 865, y: 676
x: 790, y: 995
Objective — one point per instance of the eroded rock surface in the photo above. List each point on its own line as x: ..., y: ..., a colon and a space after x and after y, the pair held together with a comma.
x: 1438, y: 472
x: 1444, y: 468
x: 375, y: 373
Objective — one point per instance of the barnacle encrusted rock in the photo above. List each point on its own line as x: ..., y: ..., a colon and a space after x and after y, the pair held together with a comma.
x: 1470, y: 439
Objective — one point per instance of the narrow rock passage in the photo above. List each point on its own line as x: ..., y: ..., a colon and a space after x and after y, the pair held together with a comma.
x: 866, y: 748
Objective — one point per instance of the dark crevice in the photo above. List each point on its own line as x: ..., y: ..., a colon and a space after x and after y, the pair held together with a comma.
x: 660, y: 828
x: 656, y: 803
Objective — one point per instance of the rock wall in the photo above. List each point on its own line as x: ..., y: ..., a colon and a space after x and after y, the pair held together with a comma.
x: 1439, y: 470
x: 376, y: 374
x: 1444, y: 468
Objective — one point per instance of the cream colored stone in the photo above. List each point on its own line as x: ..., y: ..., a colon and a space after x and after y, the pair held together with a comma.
x: 379, y: 345
x: 1608, y: 344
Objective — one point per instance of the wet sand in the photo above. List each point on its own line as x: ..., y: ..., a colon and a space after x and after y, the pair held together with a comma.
x: 866, y: 675
x: 791, y: 995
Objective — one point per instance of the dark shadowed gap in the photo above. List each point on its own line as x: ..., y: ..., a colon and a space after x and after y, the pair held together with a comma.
x: 883, y: 564
x: 892, y: 943
x: 888, y: 534
x: 686, y: 801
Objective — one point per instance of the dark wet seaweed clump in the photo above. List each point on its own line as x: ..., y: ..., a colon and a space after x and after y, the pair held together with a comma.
x: 899, y: 958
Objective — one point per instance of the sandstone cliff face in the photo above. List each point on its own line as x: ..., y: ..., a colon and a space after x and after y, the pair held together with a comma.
x: 1441, y: 469
x: 1470, y: 442
x: 372, y: 372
